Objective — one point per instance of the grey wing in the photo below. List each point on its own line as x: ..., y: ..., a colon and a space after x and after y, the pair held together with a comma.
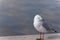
x: 49, y: 27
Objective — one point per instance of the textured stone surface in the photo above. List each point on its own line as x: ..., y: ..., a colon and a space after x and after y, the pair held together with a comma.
x: 32, y: 37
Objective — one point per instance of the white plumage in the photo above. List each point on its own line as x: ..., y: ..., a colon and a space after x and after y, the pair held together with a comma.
x: 38, y: 24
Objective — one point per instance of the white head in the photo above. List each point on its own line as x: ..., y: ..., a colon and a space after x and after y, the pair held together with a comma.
x: 38, y: 17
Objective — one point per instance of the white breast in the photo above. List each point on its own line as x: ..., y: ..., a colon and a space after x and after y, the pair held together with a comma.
x: 38, y: 24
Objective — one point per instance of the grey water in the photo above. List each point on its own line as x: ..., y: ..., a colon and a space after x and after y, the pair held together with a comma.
x: 16, y: 16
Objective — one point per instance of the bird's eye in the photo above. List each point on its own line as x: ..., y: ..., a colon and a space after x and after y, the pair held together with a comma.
x: 38, y: 18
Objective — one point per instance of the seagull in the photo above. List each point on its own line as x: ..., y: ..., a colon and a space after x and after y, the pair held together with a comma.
x: 41, y: 26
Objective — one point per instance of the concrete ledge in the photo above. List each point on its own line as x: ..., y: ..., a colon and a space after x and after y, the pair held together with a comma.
x: 55, y: 36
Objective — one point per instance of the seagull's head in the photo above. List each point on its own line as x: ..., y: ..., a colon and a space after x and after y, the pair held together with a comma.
x: 38, y: 17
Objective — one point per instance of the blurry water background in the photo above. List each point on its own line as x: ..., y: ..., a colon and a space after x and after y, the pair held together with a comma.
x: 16, y: 16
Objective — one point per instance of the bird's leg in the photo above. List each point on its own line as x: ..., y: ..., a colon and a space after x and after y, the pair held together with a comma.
x: 41, y: 36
